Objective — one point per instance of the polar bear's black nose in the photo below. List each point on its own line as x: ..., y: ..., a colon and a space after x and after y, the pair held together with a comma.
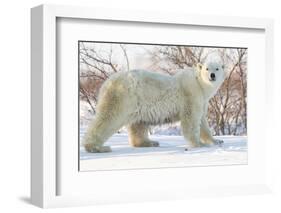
x: 213, y: 76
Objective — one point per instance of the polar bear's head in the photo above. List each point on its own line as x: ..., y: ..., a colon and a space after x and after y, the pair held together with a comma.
x: 212, y: 72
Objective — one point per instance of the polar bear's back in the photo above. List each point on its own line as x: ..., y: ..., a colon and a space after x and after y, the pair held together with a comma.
x: 155, y: 82
x: 140, y: 81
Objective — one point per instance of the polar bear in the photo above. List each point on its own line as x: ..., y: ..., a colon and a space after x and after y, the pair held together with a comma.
x: 139, y: 99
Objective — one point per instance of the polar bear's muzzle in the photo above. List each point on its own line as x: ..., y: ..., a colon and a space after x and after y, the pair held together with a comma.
x: 212, y: 76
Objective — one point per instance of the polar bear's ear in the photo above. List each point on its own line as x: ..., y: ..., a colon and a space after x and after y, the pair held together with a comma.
x: 199, y: 66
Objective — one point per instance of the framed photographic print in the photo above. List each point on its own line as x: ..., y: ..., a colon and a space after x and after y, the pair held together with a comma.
x: 133, y: 106
x: 156, y: 112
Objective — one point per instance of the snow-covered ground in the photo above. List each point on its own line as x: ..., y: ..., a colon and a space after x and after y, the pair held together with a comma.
x: 171, y: 153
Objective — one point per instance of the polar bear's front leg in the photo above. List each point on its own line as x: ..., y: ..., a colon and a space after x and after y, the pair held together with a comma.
x: 205, y: 132
x: 138, y: 136
x: 190, y: 124
x: 206, y: 135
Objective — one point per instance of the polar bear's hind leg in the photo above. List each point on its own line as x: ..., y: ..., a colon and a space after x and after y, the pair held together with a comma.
x: 138, y: 136
x: 100, y: 130
x: 110, y: 117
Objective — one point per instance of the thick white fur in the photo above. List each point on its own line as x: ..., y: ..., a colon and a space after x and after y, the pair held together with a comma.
x: 140, y: 98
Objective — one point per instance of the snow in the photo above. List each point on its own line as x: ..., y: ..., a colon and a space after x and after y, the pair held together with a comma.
x: 170, y: 153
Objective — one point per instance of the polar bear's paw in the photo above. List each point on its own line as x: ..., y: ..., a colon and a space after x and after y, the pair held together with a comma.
x: 198, y: 144
x: 97, y: 149
x: 148, y: 143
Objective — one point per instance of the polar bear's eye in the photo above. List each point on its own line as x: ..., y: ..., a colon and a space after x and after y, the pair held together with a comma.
x: 217, y: 69
x: 207, y: 68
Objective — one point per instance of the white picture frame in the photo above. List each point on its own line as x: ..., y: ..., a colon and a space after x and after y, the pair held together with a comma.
x: 45, y: 172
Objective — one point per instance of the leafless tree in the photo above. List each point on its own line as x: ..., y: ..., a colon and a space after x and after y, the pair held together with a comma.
x: 229, y: 107
x: 125, y: 55
x: 95, y: 68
